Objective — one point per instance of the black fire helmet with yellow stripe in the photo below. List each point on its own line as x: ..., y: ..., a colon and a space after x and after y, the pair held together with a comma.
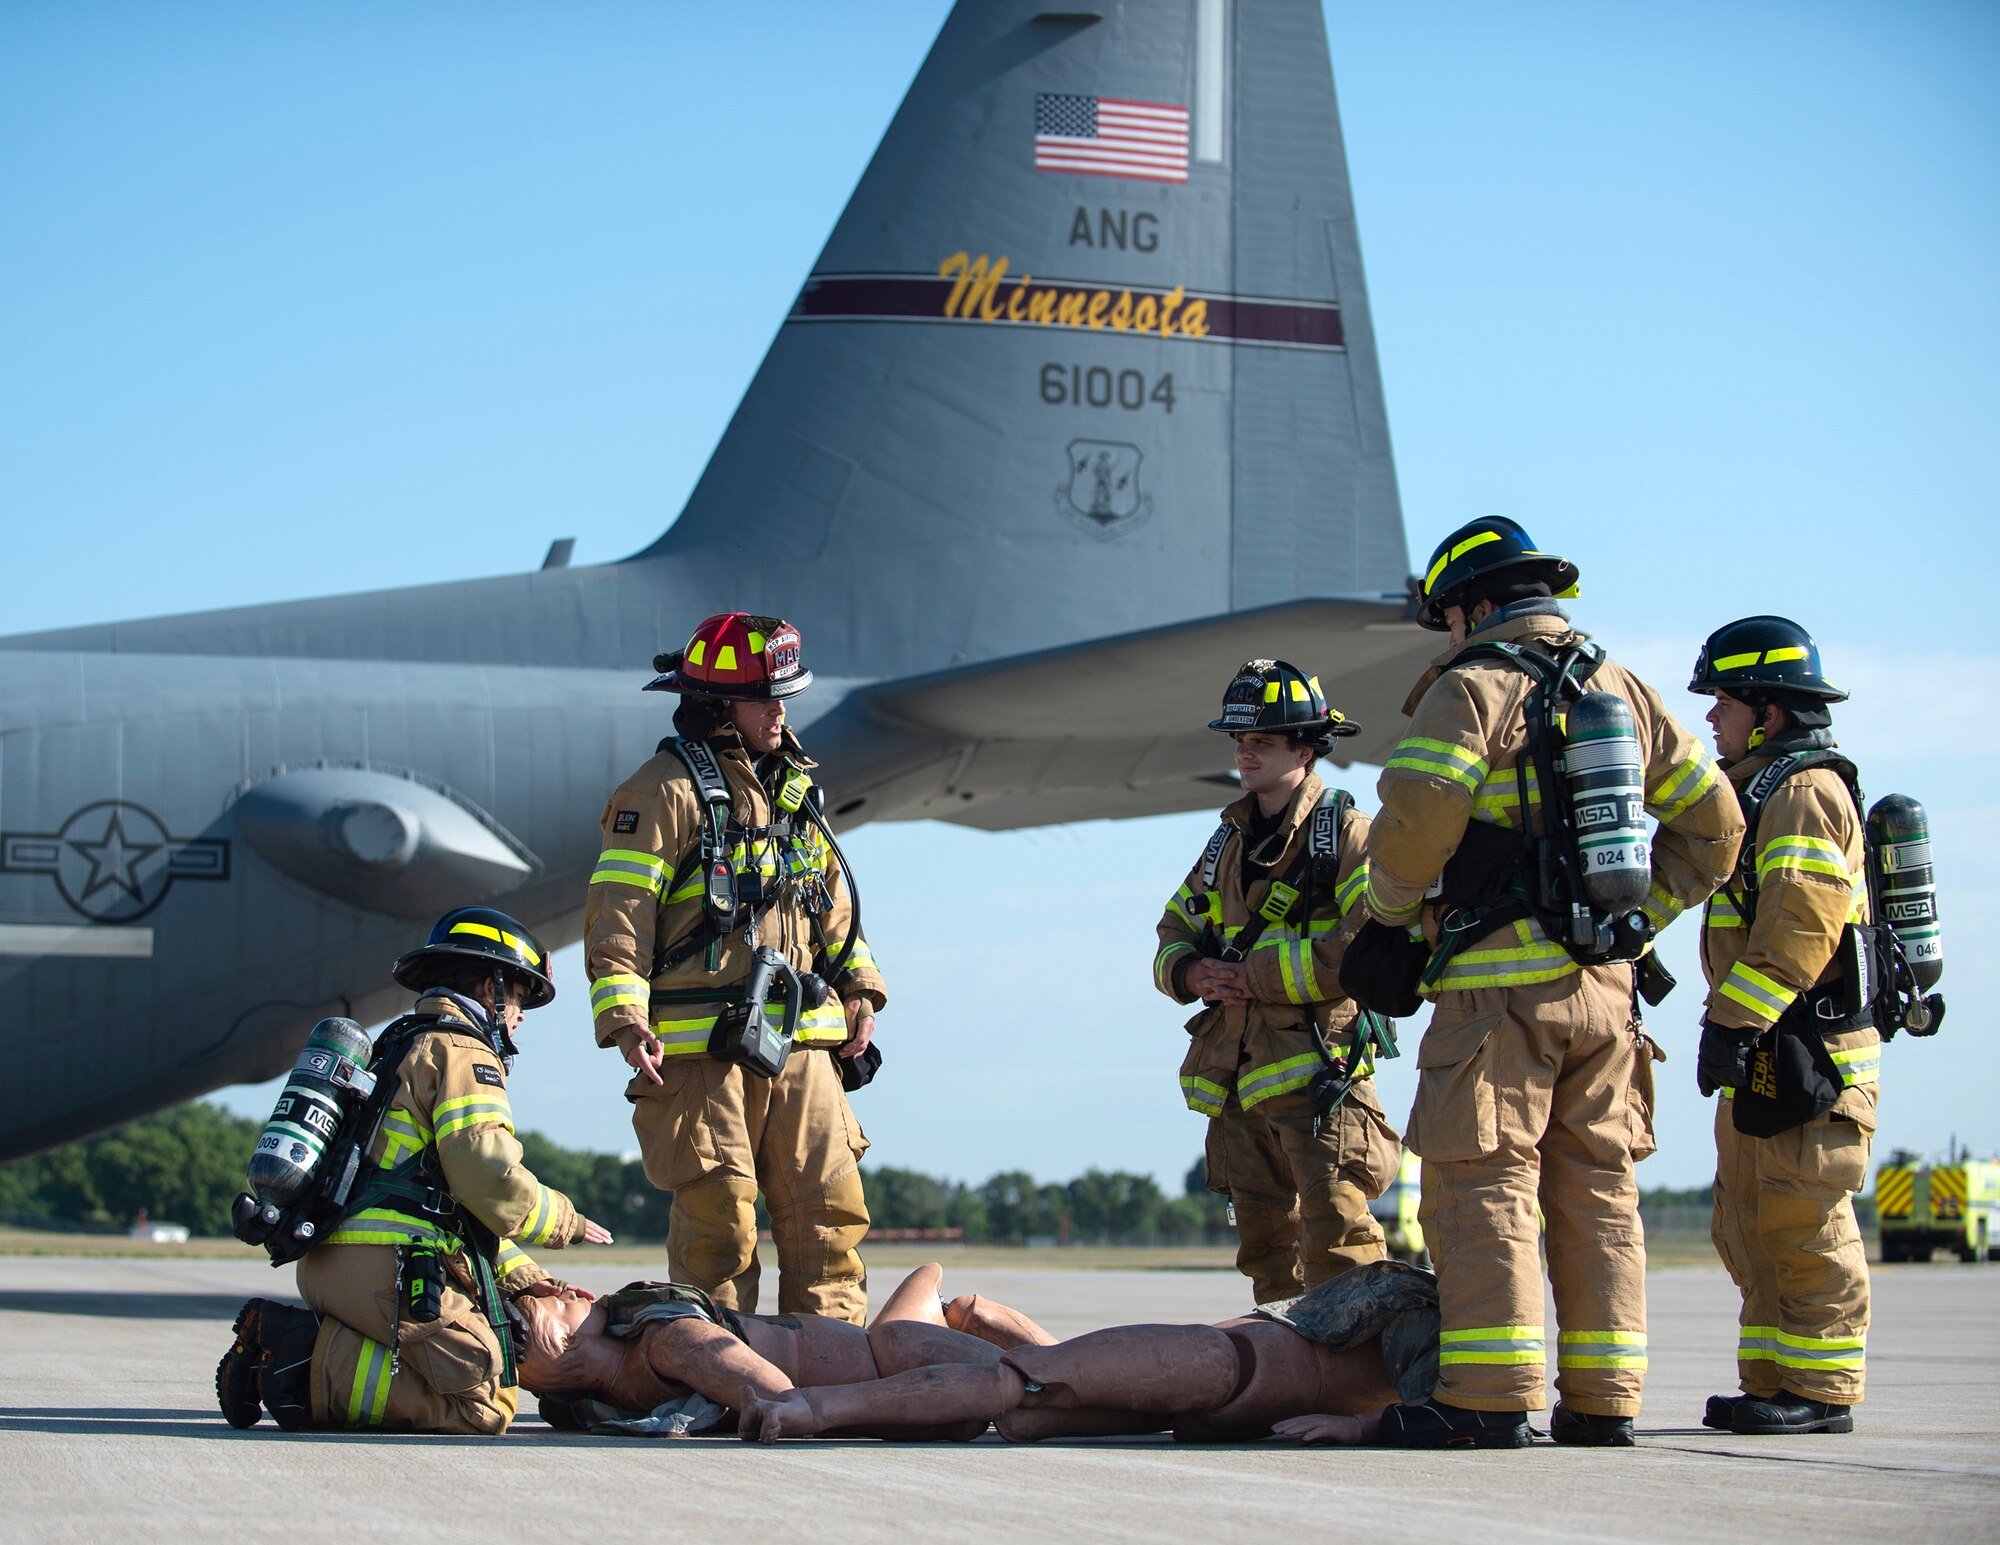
x: 1276, y: 697
x: 471, y: 937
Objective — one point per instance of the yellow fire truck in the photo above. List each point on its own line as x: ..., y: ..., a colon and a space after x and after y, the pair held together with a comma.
x: 1396, y: 1210
x: 1920, y: 1207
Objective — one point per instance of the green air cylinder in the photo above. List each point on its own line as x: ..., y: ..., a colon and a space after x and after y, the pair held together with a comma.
x: 307, y: 1116
x: 1905, y: 886
x: 1607, y: 802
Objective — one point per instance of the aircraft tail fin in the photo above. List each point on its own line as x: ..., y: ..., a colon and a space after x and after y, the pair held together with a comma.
x: 1088, y: 351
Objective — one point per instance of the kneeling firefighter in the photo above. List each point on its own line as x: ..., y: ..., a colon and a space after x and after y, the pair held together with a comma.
x: 1803, y: 984
x: 1509, y: 881
x: 1281, y: 1060
x: 417, y: 1257
x: 719, y: 891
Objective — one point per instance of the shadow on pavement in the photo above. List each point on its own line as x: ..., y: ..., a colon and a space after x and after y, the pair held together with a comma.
x: 128, y: 1306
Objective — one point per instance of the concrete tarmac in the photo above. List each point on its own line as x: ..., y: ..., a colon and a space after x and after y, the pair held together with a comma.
x: 108, y: 1429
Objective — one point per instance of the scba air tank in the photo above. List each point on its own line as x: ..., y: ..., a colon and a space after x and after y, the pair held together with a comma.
x: 307, y: 1114
x: 1608, y: 802
x: 1899, y: 841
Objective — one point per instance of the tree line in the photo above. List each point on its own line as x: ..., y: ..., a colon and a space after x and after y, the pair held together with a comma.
x: 186, y: 1166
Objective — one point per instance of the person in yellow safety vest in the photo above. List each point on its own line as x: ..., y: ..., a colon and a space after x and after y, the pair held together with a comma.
x: 1535, y: 1081
x: 1772, y: 949
x: 1273, y: 1019
x: 670, y: 930
x: 407, y: 1325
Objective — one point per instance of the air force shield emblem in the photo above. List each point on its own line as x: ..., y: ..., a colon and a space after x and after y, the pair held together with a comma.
x: 1102, y: 494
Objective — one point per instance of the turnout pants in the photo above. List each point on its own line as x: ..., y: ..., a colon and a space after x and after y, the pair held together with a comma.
x: 449, y: 1378
x: 1537, y: 1095
x: 715, y: 1135
x: 1784, y: 1226
x: 1302, y: 1199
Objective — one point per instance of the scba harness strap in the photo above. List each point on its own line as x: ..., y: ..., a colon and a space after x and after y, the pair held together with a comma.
x: 733, y: 901
x: 1318, y: 863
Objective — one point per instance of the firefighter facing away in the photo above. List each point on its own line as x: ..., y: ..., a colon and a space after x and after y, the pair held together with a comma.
x: 719, y: 878
x: 1535, y: 1081
x: 407, y: 1324
x: 1792, y: 1136
x: 1280, y: 1060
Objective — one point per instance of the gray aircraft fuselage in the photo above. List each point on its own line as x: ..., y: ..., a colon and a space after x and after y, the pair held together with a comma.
x: 1038, y: 456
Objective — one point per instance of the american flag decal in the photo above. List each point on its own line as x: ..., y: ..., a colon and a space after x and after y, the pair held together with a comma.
x: 1108, y: 138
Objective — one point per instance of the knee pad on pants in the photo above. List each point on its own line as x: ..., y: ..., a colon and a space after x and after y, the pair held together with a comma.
x: 712, y: 1231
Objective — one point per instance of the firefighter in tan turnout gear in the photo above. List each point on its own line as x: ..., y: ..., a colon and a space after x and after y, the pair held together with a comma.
x: 719, y: 882
x: 407, y: 1325
x: 1534, y: 1080
x: 1793, y: 1056
x: 1280, y: 1061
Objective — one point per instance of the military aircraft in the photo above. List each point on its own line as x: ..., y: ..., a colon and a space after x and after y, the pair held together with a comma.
x: 1078, y: 408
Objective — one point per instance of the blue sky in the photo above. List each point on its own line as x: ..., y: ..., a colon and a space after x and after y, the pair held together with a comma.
x: 296, y: 301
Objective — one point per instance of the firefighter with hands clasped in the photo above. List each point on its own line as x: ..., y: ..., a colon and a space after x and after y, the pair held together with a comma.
x: 1515, y: 802
x: 1280, y: 1060
x: 726, y: 960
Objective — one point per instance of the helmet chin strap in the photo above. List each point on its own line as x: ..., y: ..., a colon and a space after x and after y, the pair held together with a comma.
x: 496, y: 1022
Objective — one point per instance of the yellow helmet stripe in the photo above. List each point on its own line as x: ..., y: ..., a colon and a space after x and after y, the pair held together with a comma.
x: 500, y: 936
x: 1479, y: 539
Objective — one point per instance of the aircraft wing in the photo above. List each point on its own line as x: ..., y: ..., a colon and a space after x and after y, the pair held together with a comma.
x: 1119, y: 726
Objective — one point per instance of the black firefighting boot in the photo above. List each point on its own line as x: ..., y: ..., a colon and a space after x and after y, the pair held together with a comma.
x: 1580, y: 1429
x: 1721, y: 1411
x: 285, y: 1377
x: 1437, y: 1425
x: 1786, y: 1412
x: 236, y: 1376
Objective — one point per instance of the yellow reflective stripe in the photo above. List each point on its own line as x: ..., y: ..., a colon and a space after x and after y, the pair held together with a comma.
x: 1308, y: 978
x: 628, y: 866
x: 1440, y: 759
x: 1183, y: 903
x: 817, y: 1027
x: 1750, y: 987
x: 1387, y: 913
x: 1203, y: 1096
x: 1861, y: 1065
x: 512, y: 1258
x: 1258, y: 1084
x: 688, y: 889
x: 382, y: 1226
x: 680, y: 1037
x: 1530, y: 959
x: 1721, y: 913
x: 538, y: 1229
x: 1498, y: 798
x: 618, y: 989
x: 472, y: 1110
x: 1682, y: 788
x: 403, y: 1133
x: 1837, y: 1352
x: 1350, y: 889
x: 1163, y: 963
x: 1479, y: 539
x: 863, y: 958
x: 1736, y: 662
x: 1495, y: 1345
x: 1756, y: 1343
x: 1601, y: 1349
x: 368, y: 1400
x: 1809, y: 855
x: 513, y: 941
x: 1661, y: 905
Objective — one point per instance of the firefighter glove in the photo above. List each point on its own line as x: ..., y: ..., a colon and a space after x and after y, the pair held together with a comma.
x: 1382, y: 967
x: 1723, y: 1062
